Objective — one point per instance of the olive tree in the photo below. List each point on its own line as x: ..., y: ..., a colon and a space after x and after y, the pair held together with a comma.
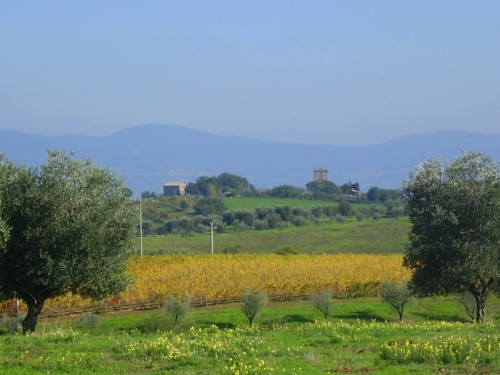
x: 454, y: 240
x: 397, y: 294
x: 177, y: 309
x: 253, y: 302
x: 4, y: 231
x: 71, y: 227
x: 323, y: 302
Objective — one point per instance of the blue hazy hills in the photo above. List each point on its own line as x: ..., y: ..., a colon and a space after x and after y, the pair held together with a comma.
x: 147, y: 156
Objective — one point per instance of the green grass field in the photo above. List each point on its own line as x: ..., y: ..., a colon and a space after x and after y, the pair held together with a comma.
x: 154, y: 208
x: 250, y: 203
x: 361, y: 336
x: 369, y: 236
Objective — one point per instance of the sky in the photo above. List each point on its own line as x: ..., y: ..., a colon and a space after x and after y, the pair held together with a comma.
x: 332, y: 72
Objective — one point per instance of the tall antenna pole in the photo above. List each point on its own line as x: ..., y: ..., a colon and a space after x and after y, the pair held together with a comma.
x: 212, y: 235
x: 140, y: 219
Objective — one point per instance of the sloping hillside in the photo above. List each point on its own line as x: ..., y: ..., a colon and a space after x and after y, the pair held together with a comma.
x: 149, y: 155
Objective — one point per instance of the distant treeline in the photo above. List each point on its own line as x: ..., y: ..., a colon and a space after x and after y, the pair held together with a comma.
x: 204, y: 204
x: 227, y: 184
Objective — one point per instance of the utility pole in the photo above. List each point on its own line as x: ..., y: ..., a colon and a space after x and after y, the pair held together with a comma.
x: 212, y: 234
x: 140, y: 219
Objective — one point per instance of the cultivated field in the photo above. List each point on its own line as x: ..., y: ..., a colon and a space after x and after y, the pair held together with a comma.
x: 221, y: 278
x: 349, y: 258
x: 385, y: 236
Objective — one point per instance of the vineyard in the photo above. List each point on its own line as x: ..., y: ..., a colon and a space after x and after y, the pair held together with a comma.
x: 221, y: 278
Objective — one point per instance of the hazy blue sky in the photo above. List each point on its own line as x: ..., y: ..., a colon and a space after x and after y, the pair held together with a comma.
x: 329, y: 72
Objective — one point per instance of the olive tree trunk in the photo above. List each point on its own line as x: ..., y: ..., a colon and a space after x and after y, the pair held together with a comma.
x: 34, y: 309
x: 480, y: 294
x: 480, y: 308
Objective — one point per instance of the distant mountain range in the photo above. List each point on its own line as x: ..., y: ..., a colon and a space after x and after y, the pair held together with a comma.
x: 147, y: 156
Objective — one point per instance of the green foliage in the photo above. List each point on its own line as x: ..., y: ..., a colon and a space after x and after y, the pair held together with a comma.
x: 156, y: 322
x: 397, y: 294
x: 242, y: 214
x: 177, y: 309
x: 325, y: 190
x: 202, y: 186
x: 323, y: 302
x: 454, y: 210
x: 468, y: 302
x: 452, y: 350
x: 225, y: 183
x: 4, y: 230
x: 208, y: 205
x: 289, y: 341
x: 369, y: 236
x: 394, y: 208
x: 345, y: 208
x: 71, y: 230
x: 376, y: 194
x: 286, y: 191
x: 88, y: 321
x: 253, y: 302
x: 235, y: 249
x: 184, y: 204
x: 251, y: 203
x: 349, y: 186
x: 286, y: 250
x: 148, y: 194
x: 147, y: 227
x: 13, y: 324
x: 235, y: 185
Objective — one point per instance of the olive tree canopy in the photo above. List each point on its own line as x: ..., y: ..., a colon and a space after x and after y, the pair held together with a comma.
x: 454, y: 210
x: 70, y: 230
x: 4, y: 231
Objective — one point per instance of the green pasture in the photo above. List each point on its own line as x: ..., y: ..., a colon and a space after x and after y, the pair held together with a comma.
x: 157, y: 209
x: 361, y: 336
x: 368, y: 236
x: 171, y: 207
x: 250, y: 203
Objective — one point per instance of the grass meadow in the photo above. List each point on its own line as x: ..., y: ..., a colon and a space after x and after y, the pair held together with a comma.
x: 361, y: 336
x: 171, y: 205
x: 331, y: 237
x: 250, y: 203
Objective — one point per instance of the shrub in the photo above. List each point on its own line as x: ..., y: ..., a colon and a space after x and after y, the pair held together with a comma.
x: 177, y: 309
x: 397, y: 294
x: 261, y: 224
x: 323, y: 302
x: 287, y: 250
x: 339, y: 218
x: 13, y: 324
x: 156, y: 322
x: 239, y: 226
x: 184, y: 205
x: 235, y: 249
x: 317, y: 212
x: 253, y: 302
x: 299, y: 221
x: 88, y: 321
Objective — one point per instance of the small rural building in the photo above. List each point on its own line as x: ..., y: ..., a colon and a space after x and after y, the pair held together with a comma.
x: 352, y: 194
x: 320, y: 175
x: 174, y: 188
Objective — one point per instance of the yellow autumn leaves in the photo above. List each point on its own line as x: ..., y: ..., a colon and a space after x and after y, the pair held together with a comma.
x: 219, y: 277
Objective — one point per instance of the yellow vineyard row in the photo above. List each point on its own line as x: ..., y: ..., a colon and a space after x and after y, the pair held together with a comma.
x: 218, y: 277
